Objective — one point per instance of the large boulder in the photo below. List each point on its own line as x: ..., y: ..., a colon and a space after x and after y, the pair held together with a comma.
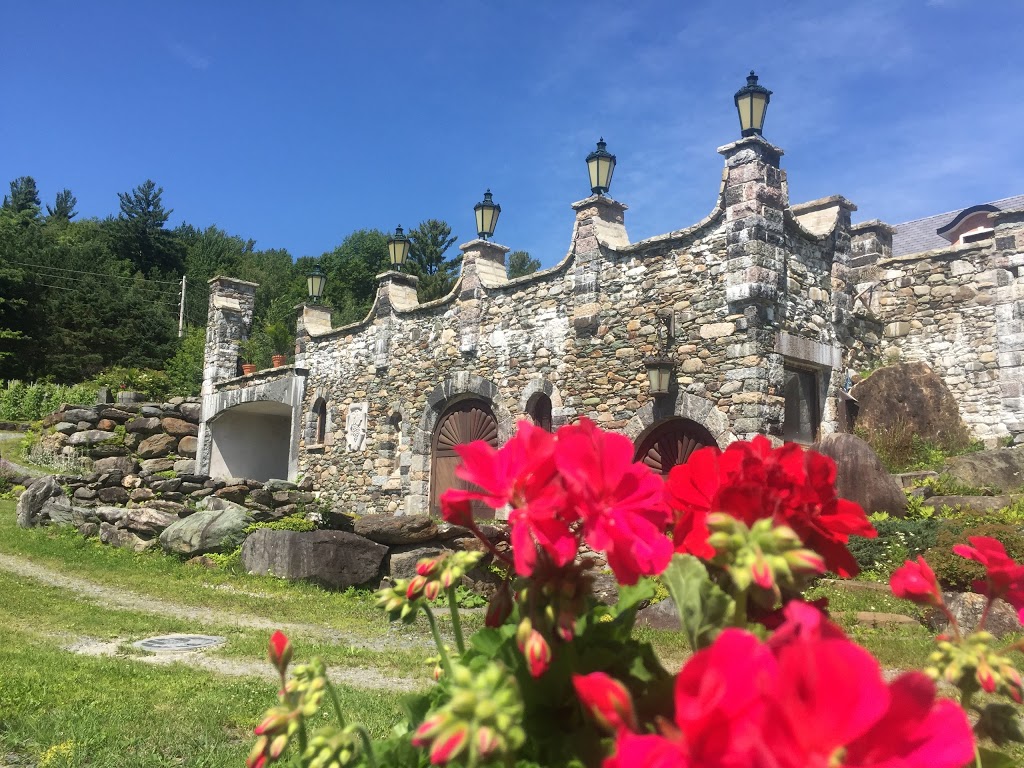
x: 156, y: 446
x: 978, y: 504
x: 333, y: 559
x: 191, y: 411
x: 143, y: 425
x: 860, y: 476
x: 80, y: 414
x: 90, y: 437
x: 999, y: 468
x: 123, y: 464
x: 968, y: 607
x: 403, y: 529
x: 42, y: 492
x: 146, y: 521
x: 401, y: 563
x: 179, y: 427
x: 188, y: 446
x: 212, y: 530
x: 912, y: 397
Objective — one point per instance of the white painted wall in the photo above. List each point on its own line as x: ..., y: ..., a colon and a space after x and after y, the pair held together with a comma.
x: 249, y: 444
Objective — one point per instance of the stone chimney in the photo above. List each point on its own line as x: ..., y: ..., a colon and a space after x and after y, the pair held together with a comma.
x: 871, y: 241
x: 228, y: 321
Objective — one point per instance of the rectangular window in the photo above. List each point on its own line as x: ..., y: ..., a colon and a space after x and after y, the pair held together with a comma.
x: 803, y: 411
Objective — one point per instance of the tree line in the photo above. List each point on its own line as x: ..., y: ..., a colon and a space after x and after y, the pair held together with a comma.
x: 80, y: 296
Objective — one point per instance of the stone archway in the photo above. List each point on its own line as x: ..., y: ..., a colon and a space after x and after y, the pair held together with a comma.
x: 464, y: 421
x: 670, y: 443
x: 686, y: 406
x: 251, y: 440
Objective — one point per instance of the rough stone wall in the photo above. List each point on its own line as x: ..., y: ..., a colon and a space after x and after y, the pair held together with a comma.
x: 961, y: 311
x: 228, y: 321
x: 733, y: 285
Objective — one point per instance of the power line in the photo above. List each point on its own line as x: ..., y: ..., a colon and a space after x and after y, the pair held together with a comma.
x: 84, y: 272
x: 66, y: 288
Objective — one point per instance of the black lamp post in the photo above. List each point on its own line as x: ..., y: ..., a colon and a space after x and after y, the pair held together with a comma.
x: 315, y: 281
x: 659, y: 367
x: 398, y: 248
x: 752, y: 102
x: 601, y: 165
x: 487, y: 212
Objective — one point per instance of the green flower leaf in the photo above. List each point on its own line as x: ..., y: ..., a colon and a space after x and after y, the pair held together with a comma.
x: 704, y: 609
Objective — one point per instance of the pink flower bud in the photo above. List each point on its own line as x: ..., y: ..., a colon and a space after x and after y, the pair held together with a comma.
x: 280, y: 651
x: 606, y: 700
x: 429, y: 728
x: 449, y: 744
x: 415, y: 587
x: 428, y: 566
x: 805, y: 561
x: 277, y: 746
x: 486, y: 741
x: 431, y: 590
x: 537, y: 653
x: 762, y: 573
x: 916, y: 582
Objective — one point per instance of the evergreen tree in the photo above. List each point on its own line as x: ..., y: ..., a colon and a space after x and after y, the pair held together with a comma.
x: 24, y: 196
x: 520, y: 263
x: 427, y: 245
x: 138, y: 233
x: 63, y: 209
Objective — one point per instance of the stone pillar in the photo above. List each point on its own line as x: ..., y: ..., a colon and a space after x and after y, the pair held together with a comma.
x: 397, y: 290
x: 313, y: 320
x: 600, y: 221
x: 755, y: 199
x: 483, y: 266
x: 871, y: 241
x: 228, y: 321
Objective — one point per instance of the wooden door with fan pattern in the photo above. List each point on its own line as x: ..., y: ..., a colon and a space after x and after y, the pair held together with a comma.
x: 463, y: 422
x: 671, y: 443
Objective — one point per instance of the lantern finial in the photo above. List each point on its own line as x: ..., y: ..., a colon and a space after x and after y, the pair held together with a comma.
x: 752, y: 103
x: 601, y: 166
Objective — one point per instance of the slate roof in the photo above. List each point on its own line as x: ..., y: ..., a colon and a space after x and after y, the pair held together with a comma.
x: 920, y: 234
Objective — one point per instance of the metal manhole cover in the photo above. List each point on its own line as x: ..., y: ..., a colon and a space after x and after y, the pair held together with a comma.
x: 178, y: 643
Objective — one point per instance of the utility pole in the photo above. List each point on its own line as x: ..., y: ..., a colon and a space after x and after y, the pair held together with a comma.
x: 181, y: 310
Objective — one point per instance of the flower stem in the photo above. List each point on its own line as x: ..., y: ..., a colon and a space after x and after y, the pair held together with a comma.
x: 445, y: 663
x: 456, y: 619
x: 984, y: 614
x: 364, y: 736
x: 336, y: 703
x: 952, y: 620
x: 739, y: 618
x: 490, y: 547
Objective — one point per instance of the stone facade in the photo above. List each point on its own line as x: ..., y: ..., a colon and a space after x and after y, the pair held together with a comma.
x: 740, y: 301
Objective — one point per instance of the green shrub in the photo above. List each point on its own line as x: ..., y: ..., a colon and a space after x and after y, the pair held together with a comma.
x: 901, y: 449
x: 897, y: 540
x: 185, y: 369
x: 290, y: 523
x: 28, y: 402
x: 955, y: 572
x: 228, y: 561
x: 151, y: 384
x: 947, y: 485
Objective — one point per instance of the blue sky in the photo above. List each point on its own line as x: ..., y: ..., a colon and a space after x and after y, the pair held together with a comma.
x: 297, y: 123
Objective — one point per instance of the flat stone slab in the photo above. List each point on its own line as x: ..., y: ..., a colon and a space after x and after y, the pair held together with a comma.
x: 178, y: 643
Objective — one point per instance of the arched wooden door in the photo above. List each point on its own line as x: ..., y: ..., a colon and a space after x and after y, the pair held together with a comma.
x: 463, y: 422
x: 670, y: 443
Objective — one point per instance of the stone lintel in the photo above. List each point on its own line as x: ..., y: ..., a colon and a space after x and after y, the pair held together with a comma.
x: 822, y: 203
x: 806, y: 350
x: 232, y: 281
x: 483, y: 263
x: 486, y: 248
x: 607, y: 217
x: 751, y: 148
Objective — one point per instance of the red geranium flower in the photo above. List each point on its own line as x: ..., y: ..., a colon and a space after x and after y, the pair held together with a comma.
x: 606, y: 700
x: 620, y: 501
x: 1004, y: 577
x: 916, y: 582
x: 751, y: 481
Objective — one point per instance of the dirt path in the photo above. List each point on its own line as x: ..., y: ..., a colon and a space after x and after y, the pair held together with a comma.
x: 125, y: 600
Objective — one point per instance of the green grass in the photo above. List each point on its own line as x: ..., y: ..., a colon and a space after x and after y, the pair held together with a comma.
x: 59, y: 709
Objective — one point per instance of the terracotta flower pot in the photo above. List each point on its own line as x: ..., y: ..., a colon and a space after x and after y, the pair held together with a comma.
x: 278, y: 360
x: 248, y: 369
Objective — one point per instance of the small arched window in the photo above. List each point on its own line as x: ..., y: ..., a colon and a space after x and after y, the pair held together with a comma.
x: 320, y: 415
x: 539, y: 411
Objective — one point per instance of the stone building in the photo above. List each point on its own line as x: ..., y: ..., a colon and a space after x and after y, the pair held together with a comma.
x: 764, y: 310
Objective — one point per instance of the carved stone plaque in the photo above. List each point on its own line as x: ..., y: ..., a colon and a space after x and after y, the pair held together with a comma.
x: 355, y: 426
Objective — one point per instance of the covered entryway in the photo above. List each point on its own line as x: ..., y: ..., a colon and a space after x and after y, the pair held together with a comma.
x: 251, y: 440
x: 671, y: 442
x: 462, y: 422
